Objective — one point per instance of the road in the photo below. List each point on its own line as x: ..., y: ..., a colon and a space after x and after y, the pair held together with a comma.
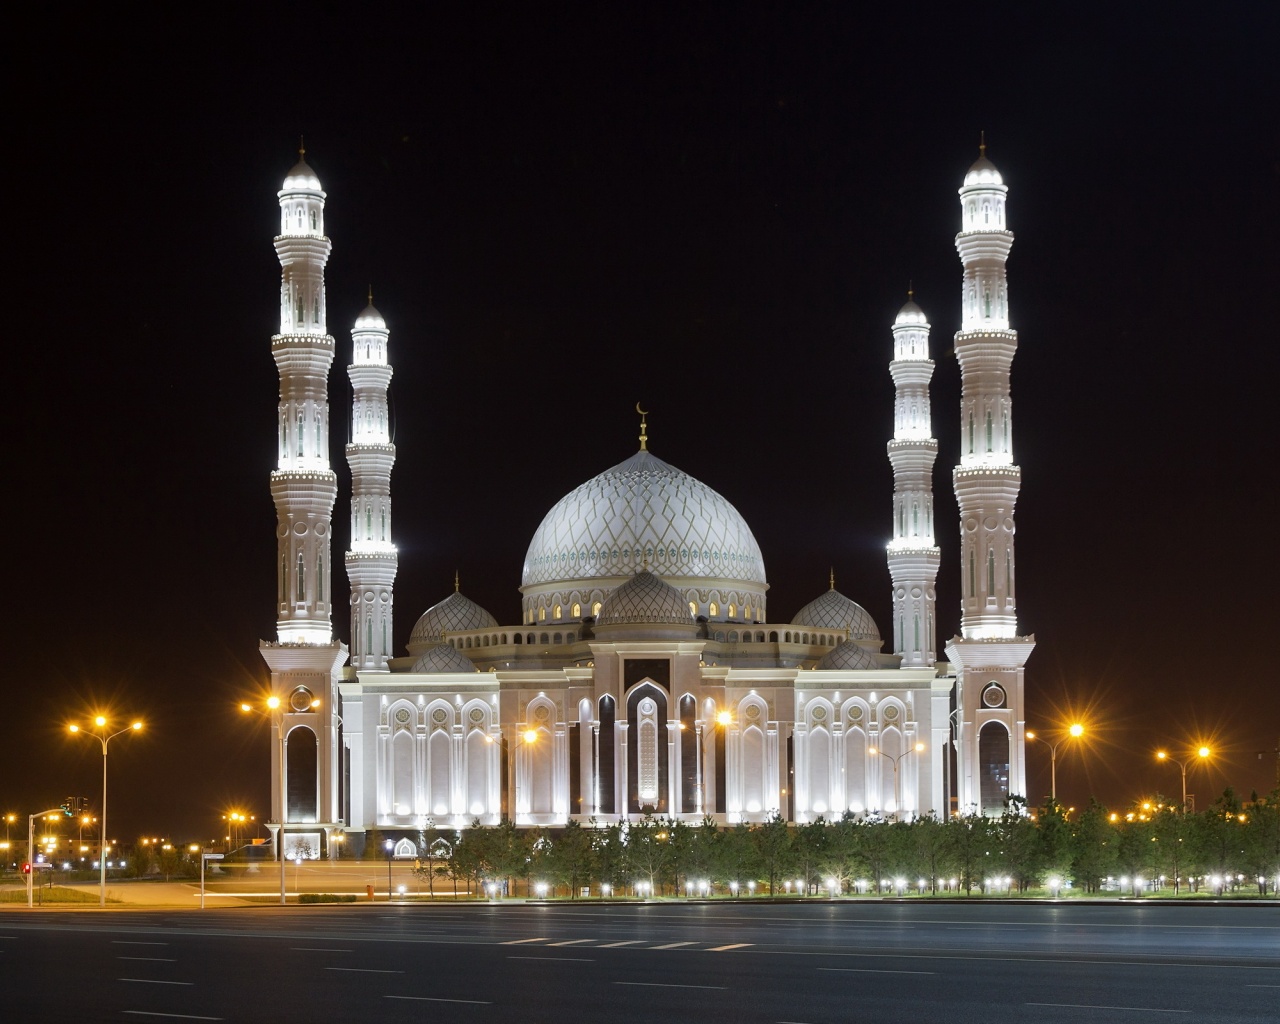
x: 781, y: 963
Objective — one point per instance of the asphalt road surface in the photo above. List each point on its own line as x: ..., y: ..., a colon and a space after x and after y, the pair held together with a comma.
x: 785, y: 963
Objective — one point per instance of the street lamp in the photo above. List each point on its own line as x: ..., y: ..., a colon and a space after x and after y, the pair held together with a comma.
x: 1200, y: 754
x: 275, y: 714
x: 390, y: 845
x: 1075, y: 731
x: 103, y: 738
x: 897, y: 775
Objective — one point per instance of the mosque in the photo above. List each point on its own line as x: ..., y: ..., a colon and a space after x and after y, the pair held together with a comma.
x: 645, y: 674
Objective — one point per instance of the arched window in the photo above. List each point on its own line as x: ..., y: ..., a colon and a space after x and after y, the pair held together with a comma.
x: 733, y: 611
x: 990, y: 434
x: 595, y: 608
x: 917, y: 625
x: 383, y: 519
x: 320, y: 578
x: 713, y: 608
x: 973, y: 578
x: 368, y: 634
x: 577, y: 610
x: 542, y: 614
x: 314, y: 221
x: 301, y: 582
x: 300, y: 435
x: 991, y: 571
x: 693, y: 608
x: 971, y: 445
x: 915, y: 518
x: 556, y: 612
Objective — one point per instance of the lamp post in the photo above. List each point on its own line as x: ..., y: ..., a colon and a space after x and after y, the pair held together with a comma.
x: 390, y: 845
x: 275, y: 714
x: 1201, y: 754
x: 897, y: 774
x: 1075, y: 731
x: 103, y: 738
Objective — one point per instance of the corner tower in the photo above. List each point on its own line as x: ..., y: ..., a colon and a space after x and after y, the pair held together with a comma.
x: 371, y: 562
x: 305, y: 659
x: 913, y: 555
x: 989, y: 654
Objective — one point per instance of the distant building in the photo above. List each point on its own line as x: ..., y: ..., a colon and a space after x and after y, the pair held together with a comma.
x: 643, y: 674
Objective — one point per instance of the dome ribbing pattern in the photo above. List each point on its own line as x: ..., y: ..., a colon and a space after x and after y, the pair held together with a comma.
x: 644, y: 599
x: 456, y: 612
x: 835, y: 611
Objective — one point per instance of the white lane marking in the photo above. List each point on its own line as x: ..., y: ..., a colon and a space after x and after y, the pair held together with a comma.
x: 672, y: 945
x: 129, y: 942
x: 438, y: 999
x: 152, y: 981
x: 1262, y: 986
x: 518, y: 942
x: 318, y: 949
x: 871, y: 970
x: 363, y: 970
x: 624, y: 942
x: 732, y: 945
x: 664, y: 984
x: 563, y: 959
x: 1014, y: 959
x: 150, y: 959
x: 180, y: 1016
x: 1090, y: 1006
x: 568, y: 942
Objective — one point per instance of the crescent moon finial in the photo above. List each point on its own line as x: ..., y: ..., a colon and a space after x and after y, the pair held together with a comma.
x: 644, y: 427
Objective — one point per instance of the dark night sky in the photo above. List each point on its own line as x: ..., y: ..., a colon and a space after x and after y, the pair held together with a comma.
x: 715, y: 212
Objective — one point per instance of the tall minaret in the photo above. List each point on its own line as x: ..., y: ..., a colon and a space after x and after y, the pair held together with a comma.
x: 371, y: 562
x: 303, y: 485
x: 913, y: 555
x: 989, y: 654
x: 305, y: 660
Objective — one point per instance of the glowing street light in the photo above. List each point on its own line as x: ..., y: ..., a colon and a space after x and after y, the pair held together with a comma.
x: 1202, y: 753
x: 101, y: 735
x: 1074, y: 731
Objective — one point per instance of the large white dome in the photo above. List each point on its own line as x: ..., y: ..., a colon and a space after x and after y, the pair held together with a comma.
x: 645, y: 513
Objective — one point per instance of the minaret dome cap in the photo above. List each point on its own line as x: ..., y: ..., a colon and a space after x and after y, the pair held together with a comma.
x: 370, y: 320
x: 983, y: 172
x: 301, y: 179
x: 910, y: 313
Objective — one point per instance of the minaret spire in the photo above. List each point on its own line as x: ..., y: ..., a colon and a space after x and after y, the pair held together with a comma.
x: 372, y: 560
x: 912, y: 554
x: 644, y: 427
x: 303, y: 485
x: 989, y: 655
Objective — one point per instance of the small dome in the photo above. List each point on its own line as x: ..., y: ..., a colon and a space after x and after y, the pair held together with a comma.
x: 370, y: 320
x: 443, y: 658
x: 456, y: 612
x: 983, y: 172
x: 910, y: 314
x: 301, y: 179
x: 835, y: 611
x: 849, y: 655
x: 644, y: 599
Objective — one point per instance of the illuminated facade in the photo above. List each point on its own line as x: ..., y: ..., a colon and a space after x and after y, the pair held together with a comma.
x: 644, y: 674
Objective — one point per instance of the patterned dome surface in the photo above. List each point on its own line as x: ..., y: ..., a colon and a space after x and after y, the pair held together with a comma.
x: 443, y: 658
x: 849, y: 655
x: 455, y: 612
x: 370, y: 320
x: 643, y: 509
x: 644, y: 598
x: 835, y: 611
x: 910, y: 314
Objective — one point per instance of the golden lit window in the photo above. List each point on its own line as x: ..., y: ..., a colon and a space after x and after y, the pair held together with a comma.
x: 542, y: 615
x: 714, y: 608
x: 577, y: 610
x: 556, y: 612
x: 595, y: 608
x: 693, y: 608
x: 733, y: 611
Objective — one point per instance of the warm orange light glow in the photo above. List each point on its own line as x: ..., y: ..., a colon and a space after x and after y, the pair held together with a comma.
x: 136, y: 726
x: 273, y: 702
x: 1204, y: 751
x: 1030, y: 735
x: 73, y: 728
x: 530, y: 735
x: 315, y: 703
x: 1076, y: 729
x: 724, y: 718
x: 919, y: 747
x: 245, y: 707
x: 99, y: 721
x: 1162, y: 755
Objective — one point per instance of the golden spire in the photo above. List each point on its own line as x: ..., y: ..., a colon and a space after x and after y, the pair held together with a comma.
x: 832, y: 578
x: 371, y: 295
x: 911, y: 291
x: 982, y: 143
x: 644, y: 427
x: 302, y: 147
x: 456, y: 583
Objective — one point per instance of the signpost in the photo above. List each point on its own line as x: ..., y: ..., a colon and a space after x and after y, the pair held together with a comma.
x: 205, y: 857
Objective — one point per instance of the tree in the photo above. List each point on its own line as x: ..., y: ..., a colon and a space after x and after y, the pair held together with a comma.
x: 1093, y: 848
x: 1021, y: 846
x: 969, y: 842
x: 773, y: 843
x: 1053, y: 831
x: 571, y: 859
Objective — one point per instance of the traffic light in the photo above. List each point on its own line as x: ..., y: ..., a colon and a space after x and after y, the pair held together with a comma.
x: 71, y: 807
x: 26, y: 867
